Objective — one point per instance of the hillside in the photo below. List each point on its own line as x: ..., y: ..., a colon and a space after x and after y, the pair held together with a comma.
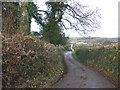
x: 91, y: 39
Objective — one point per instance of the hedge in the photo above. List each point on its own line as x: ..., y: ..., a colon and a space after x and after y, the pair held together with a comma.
x: 28, y: 62
x: 105, y: 59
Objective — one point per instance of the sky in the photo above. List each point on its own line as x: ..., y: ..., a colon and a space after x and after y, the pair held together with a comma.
x: 108, y: 21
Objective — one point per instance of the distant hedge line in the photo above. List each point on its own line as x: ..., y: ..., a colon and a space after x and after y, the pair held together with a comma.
x: 104, y: 59
x: 28, y: 62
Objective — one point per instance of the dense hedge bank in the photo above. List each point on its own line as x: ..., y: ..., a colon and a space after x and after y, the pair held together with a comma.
x: 104, y: 59
x: 28, y: 62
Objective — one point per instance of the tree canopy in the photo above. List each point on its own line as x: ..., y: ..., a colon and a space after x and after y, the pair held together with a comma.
x: 63, y: 15
x: 57, y: 17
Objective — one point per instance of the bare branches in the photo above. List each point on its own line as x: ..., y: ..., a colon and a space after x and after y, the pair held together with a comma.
x: 81, y: 19
x: 71, y: 16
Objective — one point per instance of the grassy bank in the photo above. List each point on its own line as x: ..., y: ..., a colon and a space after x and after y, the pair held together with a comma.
x: 28, y: 62
x: 103, y: 59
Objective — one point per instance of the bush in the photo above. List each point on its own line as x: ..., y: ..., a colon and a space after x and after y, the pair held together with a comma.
x: 67, y: 47
x: 82, y: 53
x: 29, y: 62
x: 105, y: 59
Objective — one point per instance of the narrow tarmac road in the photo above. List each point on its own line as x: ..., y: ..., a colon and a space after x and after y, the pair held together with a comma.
x: 80, y: 76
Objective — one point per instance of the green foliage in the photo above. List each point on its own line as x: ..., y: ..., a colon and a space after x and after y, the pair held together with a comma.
x: 51, y: 33
x: 105, y: 59
x: 29, y: 62
x: 36, y: 34
x: 52, y: 29
x: 16, y: 18
x: 82, y: 53
x: 67, y: 47
x: 106, y: 42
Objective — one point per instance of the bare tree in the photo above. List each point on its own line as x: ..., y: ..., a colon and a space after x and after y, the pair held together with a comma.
x: 77, y: 16
x: 69, y: 16
x: 80, y: 18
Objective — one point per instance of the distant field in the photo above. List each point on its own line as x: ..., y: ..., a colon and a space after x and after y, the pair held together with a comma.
x: 92, y: 39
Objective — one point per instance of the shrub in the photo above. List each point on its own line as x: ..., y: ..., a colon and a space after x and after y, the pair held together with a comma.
x: 82, y: 53
x: 105, y: 59
x: 28, y: 61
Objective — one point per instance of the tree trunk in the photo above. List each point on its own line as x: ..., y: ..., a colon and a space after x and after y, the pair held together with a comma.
x: 24, y: 19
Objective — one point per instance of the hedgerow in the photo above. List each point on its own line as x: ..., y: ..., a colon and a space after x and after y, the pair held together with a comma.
x: 28, y: 62
x: 105, y: 59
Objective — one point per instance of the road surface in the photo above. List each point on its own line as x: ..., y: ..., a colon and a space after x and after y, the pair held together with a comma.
x: 80, y: 76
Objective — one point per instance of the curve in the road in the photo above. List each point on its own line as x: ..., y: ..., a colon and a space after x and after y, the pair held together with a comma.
x: 80, y: 76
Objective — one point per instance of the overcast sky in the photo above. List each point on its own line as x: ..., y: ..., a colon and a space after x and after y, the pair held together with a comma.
x: 109, y: 20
